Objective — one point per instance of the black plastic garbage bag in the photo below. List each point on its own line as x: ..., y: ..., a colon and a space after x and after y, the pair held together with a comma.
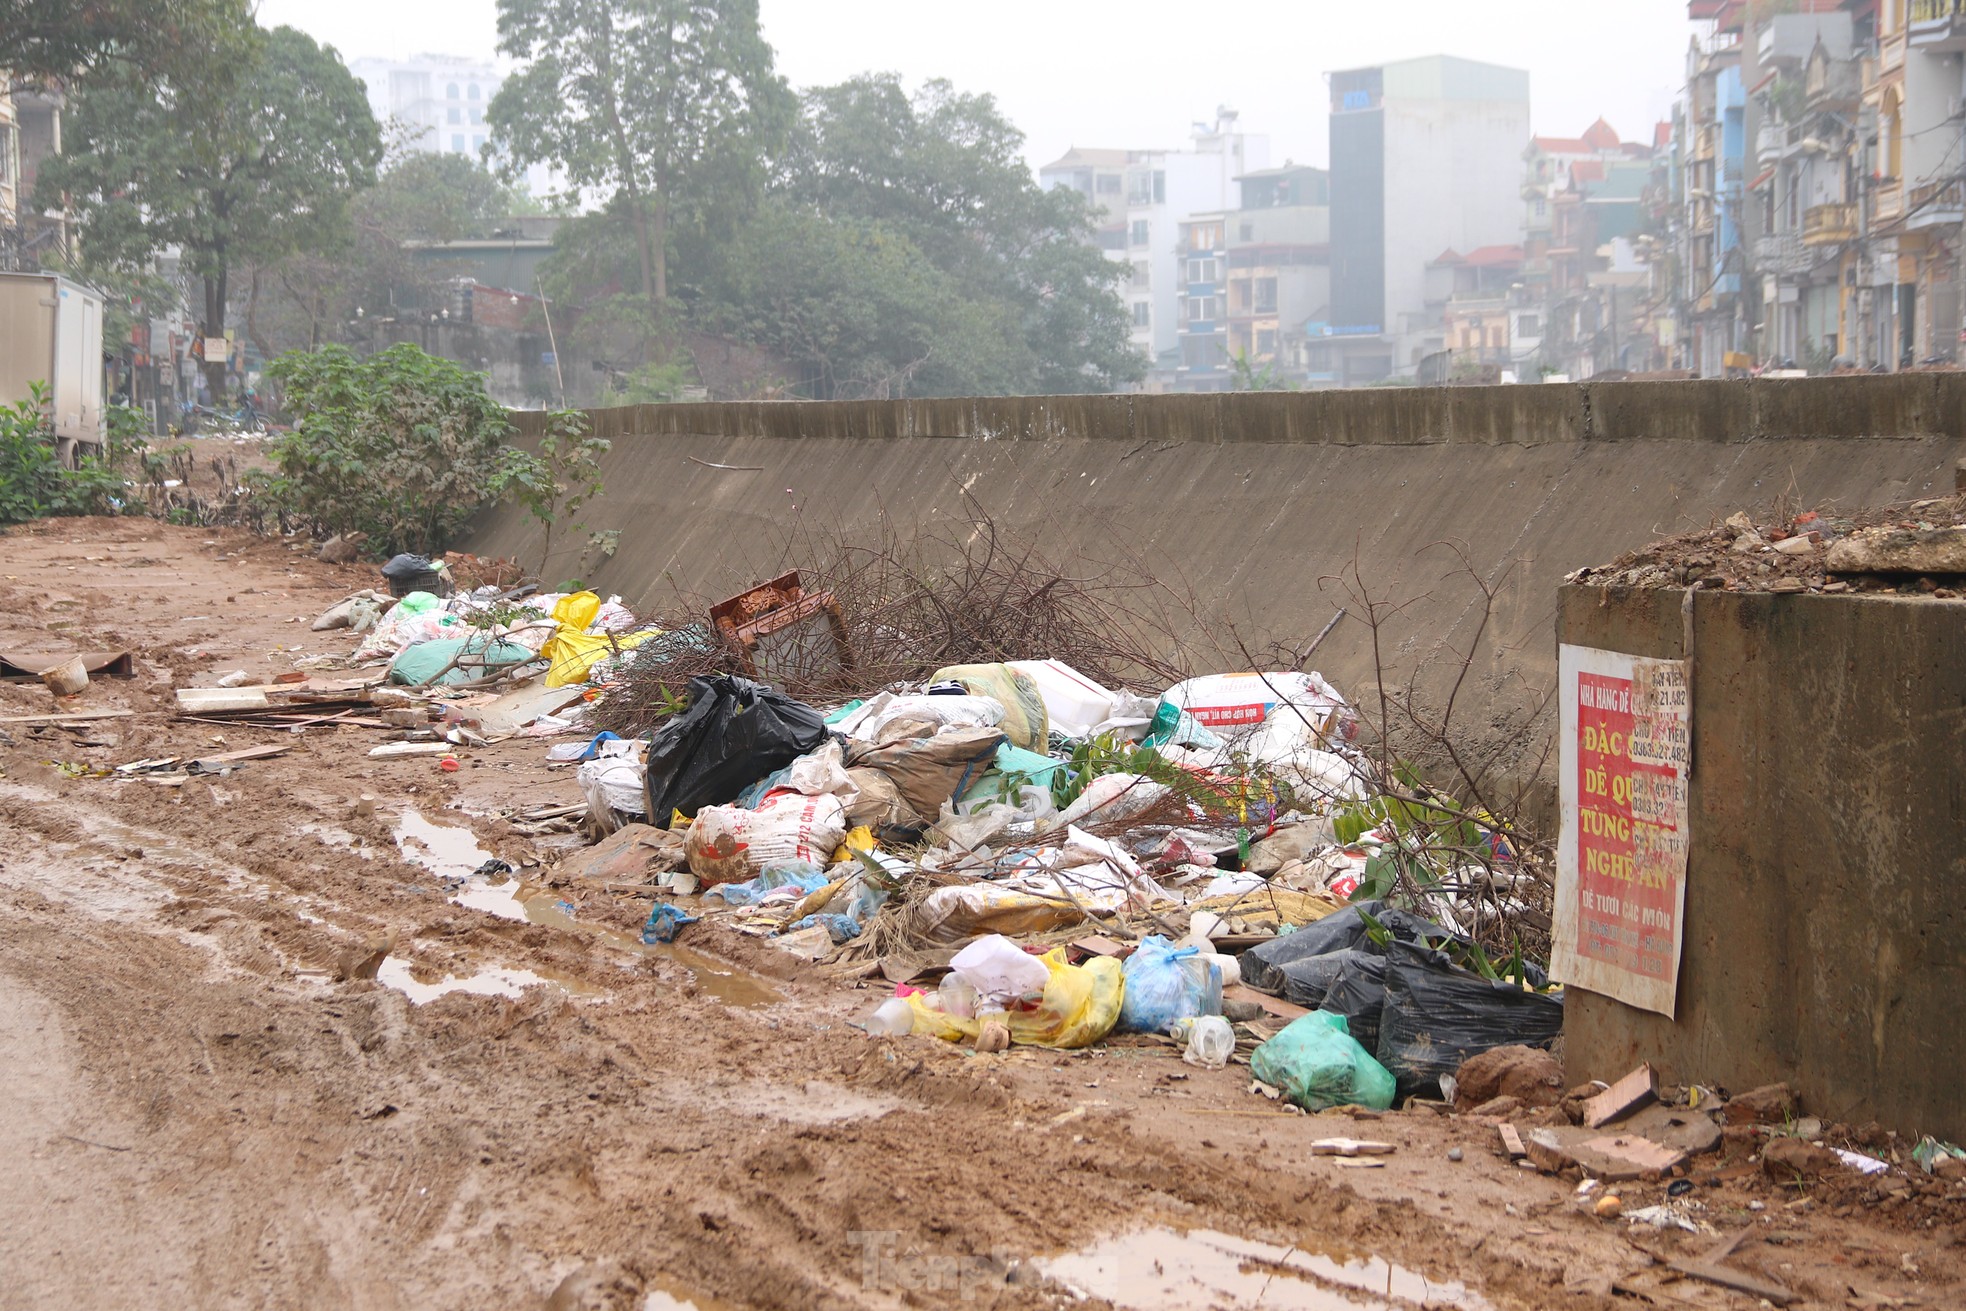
x: 732, y: 734
x: 1437, y: 1014
x: 1358, y: 992
x: 1263, y: 966
x: 1308, y: 978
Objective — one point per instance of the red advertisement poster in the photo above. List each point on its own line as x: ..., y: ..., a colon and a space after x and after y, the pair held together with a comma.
x: 1621, y: 855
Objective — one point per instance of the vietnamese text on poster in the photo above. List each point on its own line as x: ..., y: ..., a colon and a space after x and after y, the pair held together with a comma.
x: 1621, y: 855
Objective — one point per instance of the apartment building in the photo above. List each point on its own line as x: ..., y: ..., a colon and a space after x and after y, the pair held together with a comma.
x: 1426, y: 156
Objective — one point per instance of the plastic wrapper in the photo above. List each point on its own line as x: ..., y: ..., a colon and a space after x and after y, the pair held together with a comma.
x: 455, y: 660
x: 1112, y: 799
x: 1437, y: 1015
x: 1165, y: 984
x: 961, y: 911
x: 1211, y: 1042
x: 1081, y: 1004
x: 733, y: 733
x: 1262, y: 966
x: 1318, y: 1064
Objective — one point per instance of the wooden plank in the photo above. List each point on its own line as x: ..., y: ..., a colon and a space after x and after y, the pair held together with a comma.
x: 211, y: 764
x: 72, y: 717
x: 219, y: 700
x: 1738, y: 1280
x: 1512, y: 1142
x: 1276, y: 1006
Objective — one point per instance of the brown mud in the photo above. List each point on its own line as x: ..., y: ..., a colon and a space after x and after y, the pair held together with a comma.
x: 202, y: 1110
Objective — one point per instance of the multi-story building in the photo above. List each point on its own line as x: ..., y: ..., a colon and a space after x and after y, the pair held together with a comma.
x: 1203, y: 312
x: 1425, y: 156
x: 30, y: 131
x: 1713, y: 119
x: 1851, y: 116
x: 1490, y: 330
x: 1805, y: 98
x: 1280, y: 271
x: 1163, y: 188
x: 438, y: 99
x: 1099, y: 176
x: 1585, y: 210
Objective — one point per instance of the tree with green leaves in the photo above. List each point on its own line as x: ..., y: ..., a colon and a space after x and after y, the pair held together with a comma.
x: 906, y: 250
x: 244, y: 177
x: 70, y: 39
x: 438, y: 197
x: 660, y: 105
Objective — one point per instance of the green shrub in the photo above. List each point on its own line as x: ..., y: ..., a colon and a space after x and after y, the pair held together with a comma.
x: 403, y: 446
x: 34, y: 484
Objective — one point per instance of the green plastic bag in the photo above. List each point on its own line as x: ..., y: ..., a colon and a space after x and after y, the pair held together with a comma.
x: 1318, y: 1064
x: 468, y: 658
x: 1016, y: 768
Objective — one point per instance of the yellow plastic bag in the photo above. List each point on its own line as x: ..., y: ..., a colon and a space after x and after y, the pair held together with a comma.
x: 1026, y: 723
x: 573, y: 651
x: 1081, y: 1005
x: 860, y: 838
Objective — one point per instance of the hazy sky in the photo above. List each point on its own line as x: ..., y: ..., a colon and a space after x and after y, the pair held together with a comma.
x: 1137, y: 74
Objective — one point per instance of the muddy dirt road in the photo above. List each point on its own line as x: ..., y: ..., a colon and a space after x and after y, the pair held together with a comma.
x: 203, y: 1112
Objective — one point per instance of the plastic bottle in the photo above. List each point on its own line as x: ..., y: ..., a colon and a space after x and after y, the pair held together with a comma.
x: 956, y: 997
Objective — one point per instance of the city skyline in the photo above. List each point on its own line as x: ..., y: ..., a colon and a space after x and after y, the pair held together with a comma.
x: 1624, y: 62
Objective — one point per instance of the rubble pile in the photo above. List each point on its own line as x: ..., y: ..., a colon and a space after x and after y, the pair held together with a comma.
x: 1915, y: 548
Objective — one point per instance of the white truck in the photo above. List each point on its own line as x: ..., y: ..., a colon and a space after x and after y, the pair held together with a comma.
x: 51, y: 333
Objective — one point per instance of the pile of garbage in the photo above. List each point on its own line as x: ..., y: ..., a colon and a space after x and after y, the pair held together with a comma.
x: 1023, y: 854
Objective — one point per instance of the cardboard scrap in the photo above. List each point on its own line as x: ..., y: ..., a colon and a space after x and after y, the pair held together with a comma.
x: 1626, y: 1095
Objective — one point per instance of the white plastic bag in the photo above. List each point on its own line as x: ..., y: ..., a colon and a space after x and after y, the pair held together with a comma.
x: 612, y: 782
x: 1211, y: 1042
x: 999, y: 969
x: 1113, y: 798
x: 822, y: 772
x: 867, y: 722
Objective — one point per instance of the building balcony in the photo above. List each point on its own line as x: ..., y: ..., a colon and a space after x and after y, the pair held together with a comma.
x: 1937, y: 25
x: 1937, y: 204
x: 1783, y: 254
x: 1828, y: 225
x: 1888, y: 201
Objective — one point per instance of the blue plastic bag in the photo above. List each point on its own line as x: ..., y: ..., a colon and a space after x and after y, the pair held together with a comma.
x: 1165, y: 983
x: 1318, y: 1064
x: 664, y: 920
x: 802, y: 874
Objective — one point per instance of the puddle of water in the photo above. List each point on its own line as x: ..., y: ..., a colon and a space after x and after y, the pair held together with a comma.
x: 486, y: 983
x: 1165, y: 1270
x: 444, y: 849
x: 453, y: 853
x: 665, y: 1296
